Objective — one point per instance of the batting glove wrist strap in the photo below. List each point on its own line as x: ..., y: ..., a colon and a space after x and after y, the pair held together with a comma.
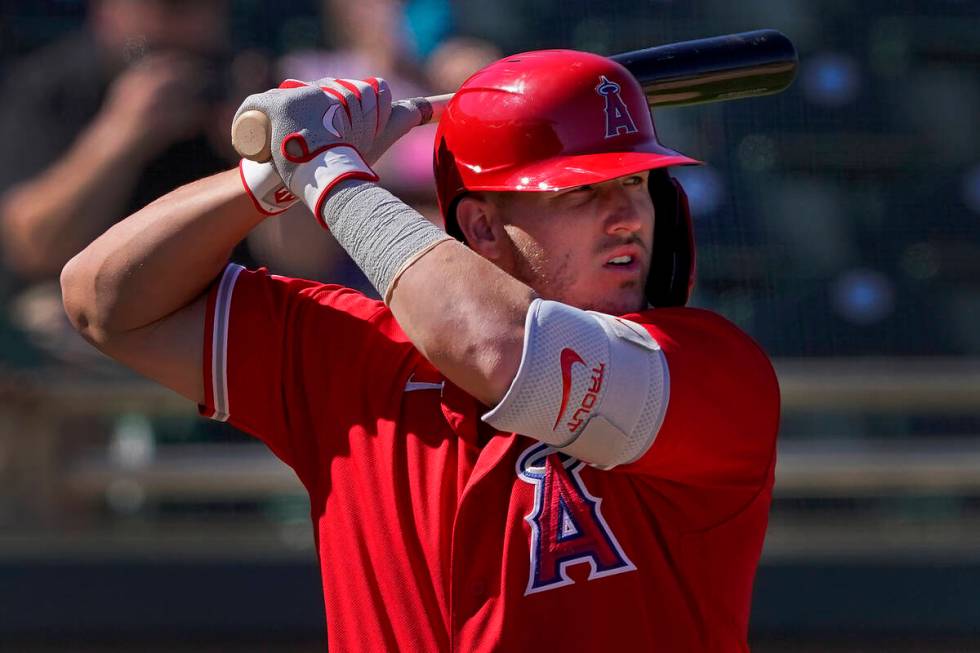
x: 318, y: 178
x: 265, y: 187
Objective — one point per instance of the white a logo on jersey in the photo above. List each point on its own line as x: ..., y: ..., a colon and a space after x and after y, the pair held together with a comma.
x: 618, y: 118
x: 567, y: 526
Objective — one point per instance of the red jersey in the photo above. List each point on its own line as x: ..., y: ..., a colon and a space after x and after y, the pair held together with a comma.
x: 437, y: 533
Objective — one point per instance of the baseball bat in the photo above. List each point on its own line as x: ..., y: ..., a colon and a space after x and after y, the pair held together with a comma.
x: 747, y: 64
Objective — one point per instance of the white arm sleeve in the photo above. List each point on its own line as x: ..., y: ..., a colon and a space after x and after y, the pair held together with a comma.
x: 592, y: 385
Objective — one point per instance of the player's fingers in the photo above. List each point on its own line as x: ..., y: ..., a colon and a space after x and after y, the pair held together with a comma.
x: 383, y: 93
x: 401, y: 121
x: 293, y: 83
x: 345, y: 95
x: 363, y: 103
x: 336, y: 117
x: 367, y: 97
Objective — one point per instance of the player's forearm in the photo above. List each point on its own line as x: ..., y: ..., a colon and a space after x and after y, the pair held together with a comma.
x: 50, y: 218
x: 460, y: 310
x: 466, y: 316
x: 158, y: 260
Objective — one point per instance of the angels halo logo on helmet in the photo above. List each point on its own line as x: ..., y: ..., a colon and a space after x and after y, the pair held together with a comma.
x: 549, y: 120
x: 617, y: 113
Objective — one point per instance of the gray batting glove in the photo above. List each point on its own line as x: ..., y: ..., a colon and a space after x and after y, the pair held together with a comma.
x: 326, y: 132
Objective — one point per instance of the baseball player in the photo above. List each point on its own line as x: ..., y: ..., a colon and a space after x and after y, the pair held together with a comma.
x: 530, y: 442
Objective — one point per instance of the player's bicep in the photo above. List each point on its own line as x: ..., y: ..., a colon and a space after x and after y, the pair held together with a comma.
x: 168, y: 351
x: 589, y: 384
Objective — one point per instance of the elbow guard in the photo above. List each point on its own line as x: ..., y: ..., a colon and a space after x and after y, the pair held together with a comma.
x: 591, y: 385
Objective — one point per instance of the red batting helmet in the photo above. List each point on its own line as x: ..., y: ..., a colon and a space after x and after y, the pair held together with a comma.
x: 555, y: 119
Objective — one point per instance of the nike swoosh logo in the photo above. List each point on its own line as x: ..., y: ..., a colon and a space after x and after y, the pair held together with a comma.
x: 568, y: 358
x: 412, y: 386
x: 328, y: 120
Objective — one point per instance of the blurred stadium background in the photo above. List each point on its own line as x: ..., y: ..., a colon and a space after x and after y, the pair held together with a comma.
x: 838, y: 223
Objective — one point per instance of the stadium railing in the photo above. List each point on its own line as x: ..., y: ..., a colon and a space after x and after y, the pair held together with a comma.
x: 837, y: 494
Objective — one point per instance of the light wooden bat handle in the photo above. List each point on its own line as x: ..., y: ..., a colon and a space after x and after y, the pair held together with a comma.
x: 251, y: 136
x: 251, y: 133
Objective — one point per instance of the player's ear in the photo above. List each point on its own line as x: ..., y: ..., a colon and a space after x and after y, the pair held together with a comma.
x: 478, y: 220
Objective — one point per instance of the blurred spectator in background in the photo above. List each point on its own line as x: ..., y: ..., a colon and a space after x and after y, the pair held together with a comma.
x: 103, y: 122
x: 414, y: 53
x: 455, y: 59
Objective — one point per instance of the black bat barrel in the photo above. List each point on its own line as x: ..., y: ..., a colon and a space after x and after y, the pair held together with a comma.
x: 713, y: 69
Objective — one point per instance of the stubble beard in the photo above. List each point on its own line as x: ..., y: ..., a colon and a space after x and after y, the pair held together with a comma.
x: 552, y: 278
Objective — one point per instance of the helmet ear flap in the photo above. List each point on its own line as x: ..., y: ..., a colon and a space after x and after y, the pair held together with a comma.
x: 672, y: 266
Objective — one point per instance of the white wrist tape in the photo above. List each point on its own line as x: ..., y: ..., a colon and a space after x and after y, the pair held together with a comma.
x: 381, y: 233
x: 592, y: 385
x: 265, y: 187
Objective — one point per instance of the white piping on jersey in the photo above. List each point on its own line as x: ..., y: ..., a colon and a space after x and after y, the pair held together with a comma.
x: 219, y: 342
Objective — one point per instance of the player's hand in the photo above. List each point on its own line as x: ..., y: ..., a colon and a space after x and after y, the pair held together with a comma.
x: 265, y: 187
x: 363, y: 119
x: 326, y: 131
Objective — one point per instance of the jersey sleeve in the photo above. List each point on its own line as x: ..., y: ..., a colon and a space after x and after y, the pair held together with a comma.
x: 281, y: 353
x: 715, y: 450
